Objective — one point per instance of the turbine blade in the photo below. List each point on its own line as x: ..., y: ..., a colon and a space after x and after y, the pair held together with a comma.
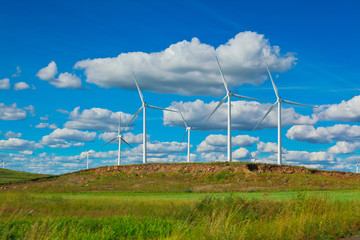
x: 164, y: 109
x: 109, y: 141
x: 222, y: 75
x: 132, y: 119
x: 267, y: 113
x: 221, y: 102
x: 272, y: 81
x: 183, y: 118
x: 183, y: 137
x: 294, y: 103
x: 239, y: 96
x: 138, y: 88
x: 85, y: 148
x: 122, y: 139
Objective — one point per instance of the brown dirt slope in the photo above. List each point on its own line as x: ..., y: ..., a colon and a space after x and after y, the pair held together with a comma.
x: 193, y: 177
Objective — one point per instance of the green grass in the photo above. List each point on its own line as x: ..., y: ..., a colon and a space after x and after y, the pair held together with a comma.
x: 114, y: 215
x: 8, y: 176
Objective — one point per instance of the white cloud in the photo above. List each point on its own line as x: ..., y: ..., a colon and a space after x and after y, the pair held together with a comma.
x: 21, y: 86
x: 64, y: 80
x: 11, y: 112
x: 342, y: 147
x: 218, y: 143
x: 30, y: 109
x: 346, y: 111
x: 62, y: 111
x: 48, y: 73
x: 27, y: 152
x: 268, y: 147
x: 97, y: 119
x: 46, y: 125
x: 245, y: 115
x: 18, y: 144
x: 4, y: 83
x: 189, y: 68
x: 338, y: 132
x: 18, y: 71
x: 11, y: 134
x: 45, y: 118
x: 59, y: 138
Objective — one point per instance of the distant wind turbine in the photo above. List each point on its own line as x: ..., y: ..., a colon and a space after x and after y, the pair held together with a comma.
x: 143, y: 107
x: 228, y: 96
x: 278, y: 102
x: 187, y: 130
x: 87, y: 158
x: 121, y: 139
x: 357, y: 167
x: 3, y: 163
x: 253, y: 159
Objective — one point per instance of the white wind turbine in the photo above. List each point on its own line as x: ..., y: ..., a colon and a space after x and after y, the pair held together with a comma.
x: 278, y: 102
x: 87, y: 158
x: 252, y: 158
x: 3, y: 163
x: 143, y: 107
x: 228, y: 96
x: 188, y: 131
x: 357, y: 167
x: 120, y: 137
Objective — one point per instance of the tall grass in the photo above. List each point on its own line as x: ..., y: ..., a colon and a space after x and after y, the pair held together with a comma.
x: 27, y: 216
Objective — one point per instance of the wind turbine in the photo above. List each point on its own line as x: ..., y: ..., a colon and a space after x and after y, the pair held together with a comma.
x: 228, y: 96
x: 278, y: 102
x: 143, y: 107
x: 3, y: 163
x: 121, y: 139
x: 187, y: 130
x: 357, y: 167
x: 253, y: 160
x: 87, y: 158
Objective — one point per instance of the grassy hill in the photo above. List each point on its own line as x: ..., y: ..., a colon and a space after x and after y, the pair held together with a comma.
x: 9, y: 176
x: 195, y: 177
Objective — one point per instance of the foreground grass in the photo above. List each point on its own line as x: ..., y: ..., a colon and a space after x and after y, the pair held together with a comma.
x: 7, y: 176
x: 298, y: 215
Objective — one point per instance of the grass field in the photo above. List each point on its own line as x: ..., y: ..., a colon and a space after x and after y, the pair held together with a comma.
x: 7, y: 175
x: 118, y: 215
x: 178, y: 205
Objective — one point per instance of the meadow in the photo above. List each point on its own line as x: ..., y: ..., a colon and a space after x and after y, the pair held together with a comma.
x: 85, y: 205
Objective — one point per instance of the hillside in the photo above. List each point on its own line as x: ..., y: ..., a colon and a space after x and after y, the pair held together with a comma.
x: 193, y: 177
x: 7, y: 176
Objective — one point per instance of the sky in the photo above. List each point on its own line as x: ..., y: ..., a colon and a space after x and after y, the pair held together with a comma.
x: 66, y: 76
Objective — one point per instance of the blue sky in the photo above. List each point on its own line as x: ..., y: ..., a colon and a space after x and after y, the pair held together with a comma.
x: 65, y: 76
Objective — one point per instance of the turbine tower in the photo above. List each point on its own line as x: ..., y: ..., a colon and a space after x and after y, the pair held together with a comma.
x: 357, y: 167
x: 143, y: 107
x: 3, y: 163
x: 278, y: 102
x: 121, y: 139
x: 228, y: 96
x: 87, y: 158
x: 188, y: 131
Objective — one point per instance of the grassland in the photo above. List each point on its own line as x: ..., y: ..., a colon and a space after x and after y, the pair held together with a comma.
x: 182, y: 205
x: 7, y: 175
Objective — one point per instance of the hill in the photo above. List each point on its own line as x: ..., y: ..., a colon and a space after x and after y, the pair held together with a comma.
x: 193, y: 177
x: 9, y: 176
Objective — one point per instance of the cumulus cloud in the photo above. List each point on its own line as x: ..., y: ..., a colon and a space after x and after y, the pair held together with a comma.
x: 245, y: 115
x: 96, y: 119
x: 342, y: 147
x: 64, y: 80
x: 30, y: 109
x: 338, y: 132
x: 189, y: 68
x: 4, y: 83
x: 218, y: 142
x: 11, y: 134
x: 18, y: 144
x: 47, y: 125
x: 268, y: 147
x: 45, y: 118
x: 21, y: 86
x: 11, y: 112
x: 59, y: 138
x: 346, y: 111
x: 303, y: 156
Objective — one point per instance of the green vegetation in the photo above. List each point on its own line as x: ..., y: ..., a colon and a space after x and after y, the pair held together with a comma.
x: 7, y: 176
x: 167, y: 216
